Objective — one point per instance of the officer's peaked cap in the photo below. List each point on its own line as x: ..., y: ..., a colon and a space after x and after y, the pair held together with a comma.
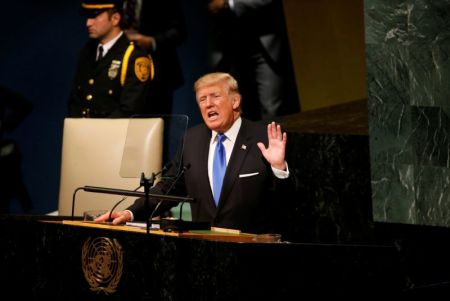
x: 92, y: 8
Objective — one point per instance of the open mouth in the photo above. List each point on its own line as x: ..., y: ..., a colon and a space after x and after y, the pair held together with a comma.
x: 213, y: 115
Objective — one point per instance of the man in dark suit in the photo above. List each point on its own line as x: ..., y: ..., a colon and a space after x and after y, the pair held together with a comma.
x: 254, y: 173
x: 249, y: 40
x: 159, y: 27
x: 113, y: 74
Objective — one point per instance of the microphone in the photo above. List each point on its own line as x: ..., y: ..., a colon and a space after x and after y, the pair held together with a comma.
x: 125, y: 193
x: 163, y: 170
x: 182, y: 171
x: 151, y: 180
x: 117, y: 204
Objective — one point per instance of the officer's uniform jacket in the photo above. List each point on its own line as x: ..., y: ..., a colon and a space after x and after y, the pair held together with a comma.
x: 113, y: 87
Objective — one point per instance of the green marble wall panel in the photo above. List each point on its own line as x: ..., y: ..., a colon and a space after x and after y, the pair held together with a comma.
x: 407, y: 56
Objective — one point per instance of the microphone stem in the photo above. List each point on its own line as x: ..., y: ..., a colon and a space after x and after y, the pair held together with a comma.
x: 167, y: 192
x: 117, y: 204
x: 147, y: 183
x: 181, y: 211
x: 73, y: 200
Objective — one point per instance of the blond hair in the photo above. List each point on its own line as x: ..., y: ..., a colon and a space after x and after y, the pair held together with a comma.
x: 215, y: 77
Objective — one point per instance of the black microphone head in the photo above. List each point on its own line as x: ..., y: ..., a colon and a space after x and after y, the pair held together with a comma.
x: 162, y: 171
x: 167, y: 166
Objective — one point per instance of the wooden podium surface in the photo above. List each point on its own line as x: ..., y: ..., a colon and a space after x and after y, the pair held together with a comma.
x: 229, y: 235
x: 70, y: 260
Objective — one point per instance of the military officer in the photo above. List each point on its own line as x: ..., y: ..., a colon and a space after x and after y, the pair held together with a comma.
x: 113, y: 74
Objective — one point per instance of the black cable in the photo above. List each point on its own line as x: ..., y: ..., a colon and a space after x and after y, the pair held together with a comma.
x: 117, y: 204
x: 164, y: 169
x: 182, y: 171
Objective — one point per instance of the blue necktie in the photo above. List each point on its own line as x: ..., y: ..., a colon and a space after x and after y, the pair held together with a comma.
x: 219, y: 167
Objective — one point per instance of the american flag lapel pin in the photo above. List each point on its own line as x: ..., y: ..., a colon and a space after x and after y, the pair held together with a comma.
x: 244, y: 147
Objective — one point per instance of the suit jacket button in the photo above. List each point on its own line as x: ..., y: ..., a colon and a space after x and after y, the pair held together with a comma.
x: 91, y: 81
x: 89, y: 97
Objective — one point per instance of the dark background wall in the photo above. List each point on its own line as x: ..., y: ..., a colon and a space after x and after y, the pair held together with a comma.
x: 38, y: 52
x: 40, y: 42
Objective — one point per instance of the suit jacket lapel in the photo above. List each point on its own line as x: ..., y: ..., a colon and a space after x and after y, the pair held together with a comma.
x: 240, y: 150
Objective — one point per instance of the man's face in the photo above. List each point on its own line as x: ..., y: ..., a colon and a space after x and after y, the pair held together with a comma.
x: 100, y: 27
x: 218, y: 107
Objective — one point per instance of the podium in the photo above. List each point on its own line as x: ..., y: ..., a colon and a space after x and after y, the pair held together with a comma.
x: 47, y: 259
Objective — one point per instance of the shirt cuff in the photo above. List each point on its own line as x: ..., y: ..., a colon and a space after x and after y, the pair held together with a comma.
x: 281, y: 174
x: 131, y: 214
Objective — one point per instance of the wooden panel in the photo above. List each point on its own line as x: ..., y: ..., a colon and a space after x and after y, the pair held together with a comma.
x: 327, y: 45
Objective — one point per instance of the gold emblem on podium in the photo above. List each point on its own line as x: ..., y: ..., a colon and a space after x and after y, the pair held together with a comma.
x: 102, y: 262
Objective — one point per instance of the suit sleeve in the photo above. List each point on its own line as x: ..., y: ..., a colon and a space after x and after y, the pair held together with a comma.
x: 171, y: 184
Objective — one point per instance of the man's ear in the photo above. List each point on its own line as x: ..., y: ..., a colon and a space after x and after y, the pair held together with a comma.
x: 236, y: 101
x: 115, y: 18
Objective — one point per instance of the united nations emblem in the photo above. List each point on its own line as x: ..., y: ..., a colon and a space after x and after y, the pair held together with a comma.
x: 143, y: 68
x: 113, y: 70
x: 102, y: 262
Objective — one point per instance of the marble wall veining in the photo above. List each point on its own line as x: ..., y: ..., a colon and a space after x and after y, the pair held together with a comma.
x: 408, y: 65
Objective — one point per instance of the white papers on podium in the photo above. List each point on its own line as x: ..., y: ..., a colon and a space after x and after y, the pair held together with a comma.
x: 142, y: 225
